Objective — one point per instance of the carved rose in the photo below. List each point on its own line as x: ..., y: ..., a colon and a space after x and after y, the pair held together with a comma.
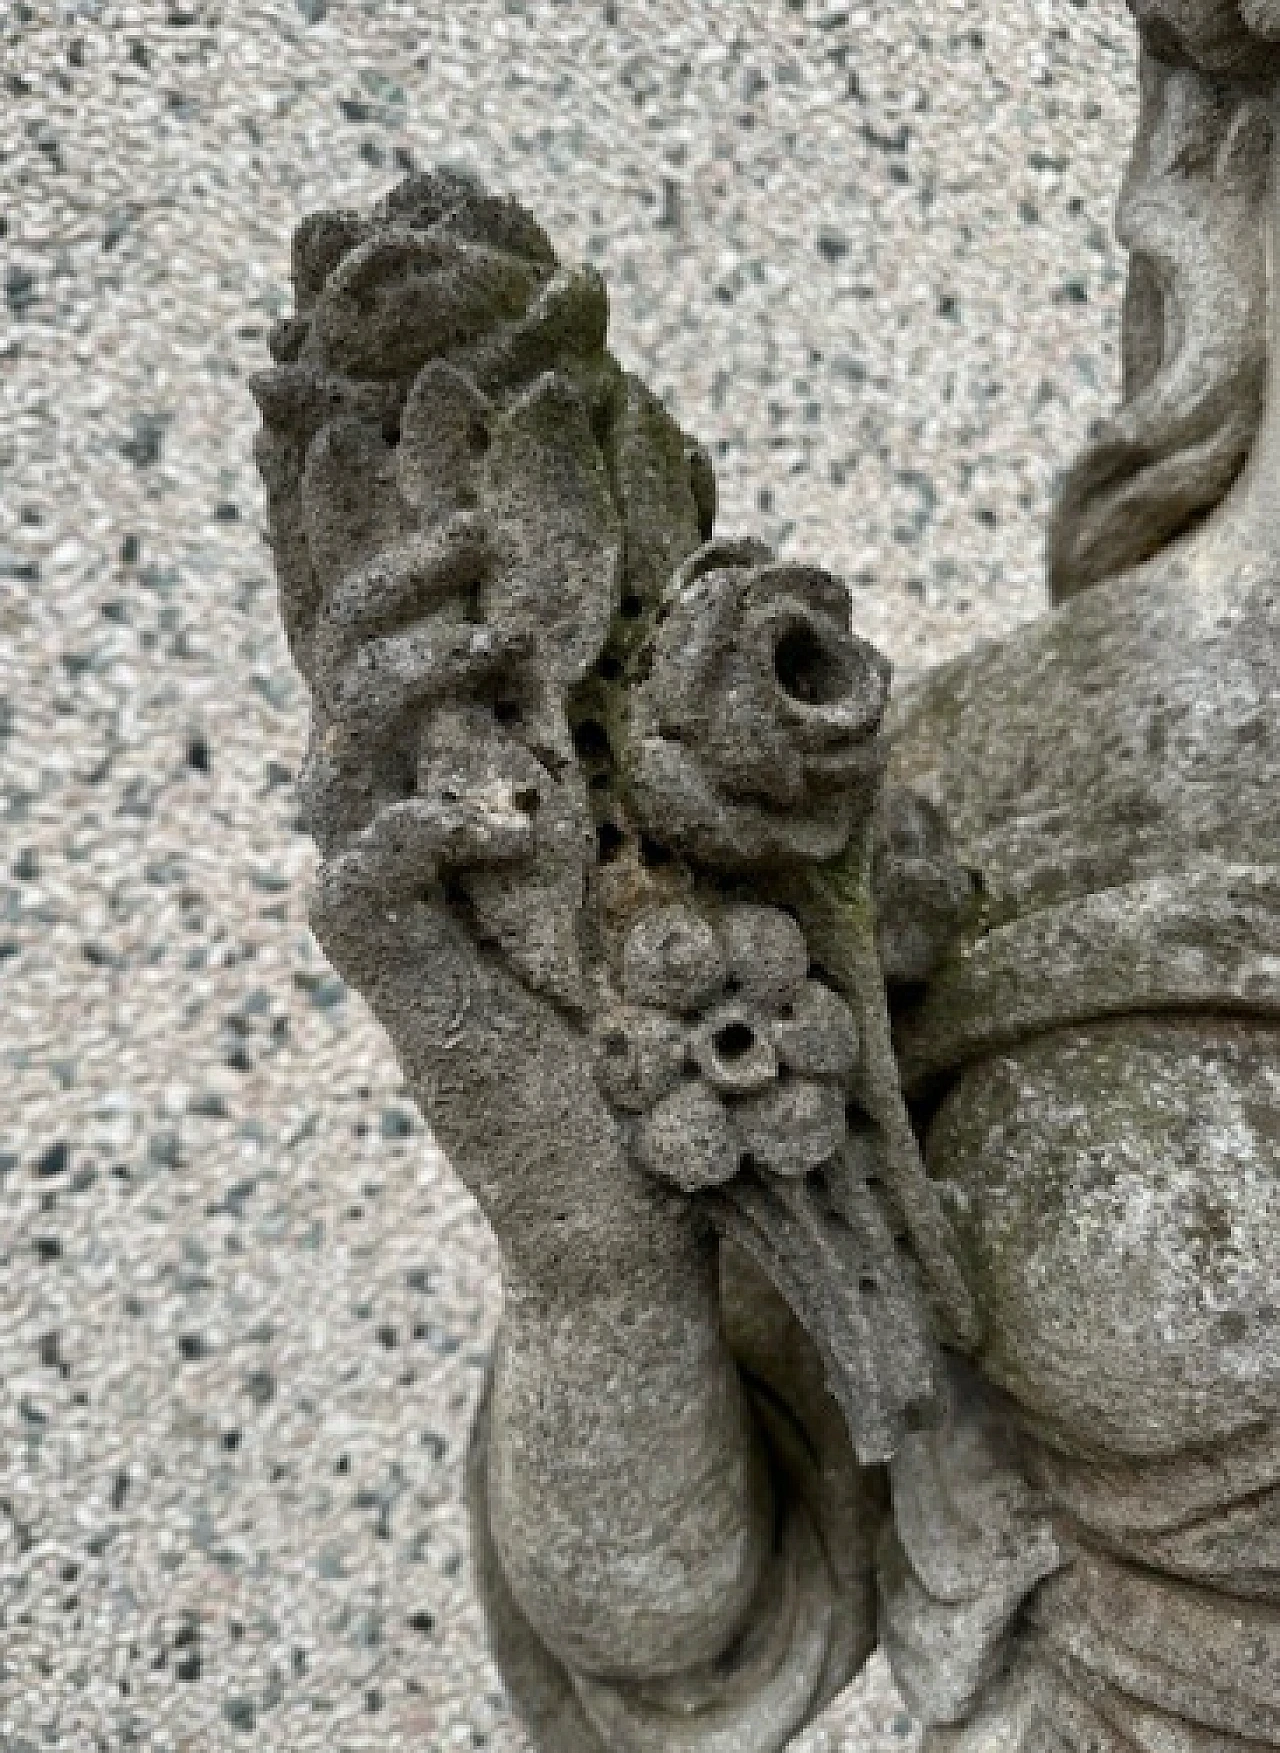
x: 753, y: 738
x: 724, y: 1049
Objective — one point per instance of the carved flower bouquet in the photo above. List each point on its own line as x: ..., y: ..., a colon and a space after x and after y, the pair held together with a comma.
x: 618, y: 781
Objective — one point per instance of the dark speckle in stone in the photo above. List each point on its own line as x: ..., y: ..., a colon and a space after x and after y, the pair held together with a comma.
x: 241, y: 1713
x: 54, y: 1160
x: 188, y: 1666
x: 165, y: 1150
x: 833, y: 246
x: 260, y: 1385
x: 144, y: 447
x: 19, y: 289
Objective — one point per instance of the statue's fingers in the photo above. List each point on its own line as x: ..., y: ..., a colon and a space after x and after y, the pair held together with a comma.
x: 391, y: 676
x: 399, y: 852
x: 403, y: 580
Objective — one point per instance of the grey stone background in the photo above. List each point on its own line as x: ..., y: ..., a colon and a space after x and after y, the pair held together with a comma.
x: 864, y: 251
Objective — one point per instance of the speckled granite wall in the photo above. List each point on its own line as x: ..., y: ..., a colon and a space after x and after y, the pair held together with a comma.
x: 865, y: 252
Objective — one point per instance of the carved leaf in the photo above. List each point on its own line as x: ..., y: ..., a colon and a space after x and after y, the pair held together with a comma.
x: 546, y: 495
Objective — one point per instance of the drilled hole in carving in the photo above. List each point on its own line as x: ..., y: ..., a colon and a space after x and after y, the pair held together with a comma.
x: 632, y: 606
x: 601, y: 422
x: 868, y: 1286
x: 690, y: 1069
x: 478, y: 438
x: 391, y: 429
x: 591, y: 741
x: 395, y: 770
x: 600, y: 782
x: 653, y: 855
x: 732, y: 986
x: 609, y: 841
x: 615, y: 1044
x: 747, y: 1164
x: 527, y: 801
x: 809, y: 669
x: 734, y: 1041
x: 507, y: 712
x: 609, y: 669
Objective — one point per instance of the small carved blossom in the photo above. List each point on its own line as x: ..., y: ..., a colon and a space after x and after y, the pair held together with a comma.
x: 724, y: 1050
x: 754, y: 739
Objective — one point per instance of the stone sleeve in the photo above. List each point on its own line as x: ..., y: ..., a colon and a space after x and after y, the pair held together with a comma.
x: 814, y: 1622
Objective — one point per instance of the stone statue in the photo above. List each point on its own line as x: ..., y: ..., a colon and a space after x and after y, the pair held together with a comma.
x: 878, y: 1106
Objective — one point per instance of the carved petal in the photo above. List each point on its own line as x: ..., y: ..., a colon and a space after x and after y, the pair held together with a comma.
x: 768, y: 957
x: 640, y: 1056
x: 819, y: 1038
x: 407, y: 296
x: 688, y: 1140
x: 672, y: 960
x: 794, y: 1127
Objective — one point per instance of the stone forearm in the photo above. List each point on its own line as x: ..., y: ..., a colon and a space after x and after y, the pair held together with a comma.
x: 629, y: 1497
x: 629, y: 1501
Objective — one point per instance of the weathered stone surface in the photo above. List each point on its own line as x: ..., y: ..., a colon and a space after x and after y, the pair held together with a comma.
x: 606, y: 846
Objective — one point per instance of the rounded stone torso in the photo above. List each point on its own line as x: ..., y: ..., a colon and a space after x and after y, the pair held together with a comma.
x: 1117, y: 1198
x: 1100, y: 1063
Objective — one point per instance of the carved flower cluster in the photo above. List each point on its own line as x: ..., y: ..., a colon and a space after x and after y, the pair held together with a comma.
x: 753, y: 739
x: 726, y: 1052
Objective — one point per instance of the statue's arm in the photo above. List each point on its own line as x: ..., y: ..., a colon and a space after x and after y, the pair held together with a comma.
x: 572, y: 767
